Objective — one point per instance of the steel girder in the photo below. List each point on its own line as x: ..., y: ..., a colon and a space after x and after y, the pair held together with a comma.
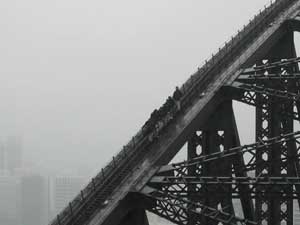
x: 180, y: 209
x: 189, y: 179
x: 250, y: 150
x: 263, y: 187
x: 273, y: 87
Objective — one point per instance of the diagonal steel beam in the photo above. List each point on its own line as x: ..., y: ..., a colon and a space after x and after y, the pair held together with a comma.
x: 278, y: 64
x: 179, y: 208
x: 226, y: 180
x: 198, y: 161
x: 264, y: 187
x: 249, y: 94
x: 239, y: 168
x: 285, y: 95
x: 244, y: 78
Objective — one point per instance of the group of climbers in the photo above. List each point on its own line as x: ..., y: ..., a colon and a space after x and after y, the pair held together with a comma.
x: 159, y: 117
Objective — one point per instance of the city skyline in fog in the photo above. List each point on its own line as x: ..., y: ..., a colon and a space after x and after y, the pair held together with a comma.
x: 79, y: 78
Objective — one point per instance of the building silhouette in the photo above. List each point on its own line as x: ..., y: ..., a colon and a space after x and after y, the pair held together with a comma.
x: 3, y: 158
x: 34, y: 200
x: 64, y: 189
x: 13, y: 153
x: 10, y: 200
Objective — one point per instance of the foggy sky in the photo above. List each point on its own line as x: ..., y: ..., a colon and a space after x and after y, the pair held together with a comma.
x: 78, y: 78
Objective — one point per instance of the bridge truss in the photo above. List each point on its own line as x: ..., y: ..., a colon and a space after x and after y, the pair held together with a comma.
x: 258, y: 67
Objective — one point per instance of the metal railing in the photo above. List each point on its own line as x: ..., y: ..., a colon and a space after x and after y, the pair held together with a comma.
x: 190, y: 89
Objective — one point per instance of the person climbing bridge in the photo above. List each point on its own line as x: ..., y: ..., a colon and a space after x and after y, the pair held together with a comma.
x: 177, y: 95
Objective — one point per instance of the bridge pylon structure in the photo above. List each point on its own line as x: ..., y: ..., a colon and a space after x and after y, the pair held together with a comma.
x: 258, y: 67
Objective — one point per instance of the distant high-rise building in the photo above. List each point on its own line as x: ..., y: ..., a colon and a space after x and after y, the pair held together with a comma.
x: 34, y: 200
x: 13, y: 151
x: 65, y: 188
x: 10, y: 200
x: 3, y: 158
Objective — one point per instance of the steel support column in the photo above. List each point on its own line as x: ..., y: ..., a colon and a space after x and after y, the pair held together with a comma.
x: 135, y: 217
x: 213, y: 137
x: 270, y: 123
